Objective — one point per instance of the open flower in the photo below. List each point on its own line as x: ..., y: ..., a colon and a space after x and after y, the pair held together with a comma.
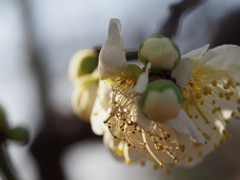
x: 129, y: 126
x: 211, y: 94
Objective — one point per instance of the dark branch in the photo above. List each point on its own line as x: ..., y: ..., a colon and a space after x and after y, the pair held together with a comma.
x: 171, y: 24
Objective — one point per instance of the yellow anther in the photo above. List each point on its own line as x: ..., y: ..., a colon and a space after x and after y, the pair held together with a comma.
x: 238, y: 108
x: 224, y: 131
x: 199, y: 154
x: 202, y: 102
x: 237, y: 83
x: 238, y: 101
x: 221, y: 95
x: 197, y: 145
x: 214, y: 82
x: 226, y: 86
x: 228, y: 98
x: 227, y: 121
x: 142, y: 163
x: 182, y: 148
x: 128, y: 161
x: 190, y: 116
x: 190, y: 158
x: 233, y: 113
x: 213, y: 102
x: 118, y: 151
x: 176, y: 160
x: 216, y: 146
x: 198, y: 95
x: 230, y: 82
x: 229, y: 136
x: 237, y: 117
x: 214, y: 110
x: 207, y: 137
x: 161, y: 165
x: 167, y: 172
x: 155, y: 166
x: 223, y: 140
x: 214, y: 128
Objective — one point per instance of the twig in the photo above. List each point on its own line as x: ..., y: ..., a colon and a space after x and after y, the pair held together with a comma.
x: 171, y: 24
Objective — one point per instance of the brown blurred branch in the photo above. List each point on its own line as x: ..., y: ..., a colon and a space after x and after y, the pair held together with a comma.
x: 171, y: 25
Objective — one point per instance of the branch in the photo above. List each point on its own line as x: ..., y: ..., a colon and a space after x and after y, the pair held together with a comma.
x: 171, y: 24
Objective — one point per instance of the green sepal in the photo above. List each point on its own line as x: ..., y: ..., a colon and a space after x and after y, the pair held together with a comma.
x: 133, y: 71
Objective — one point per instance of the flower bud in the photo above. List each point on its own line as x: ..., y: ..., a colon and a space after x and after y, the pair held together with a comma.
x: 84, y: 96
x: 18, y: 134
x: 161, y: 101
x: 161, y: 51
x: 83, y: 62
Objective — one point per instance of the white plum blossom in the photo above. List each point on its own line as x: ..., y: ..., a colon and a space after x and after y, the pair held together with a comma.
x: 171, y: 111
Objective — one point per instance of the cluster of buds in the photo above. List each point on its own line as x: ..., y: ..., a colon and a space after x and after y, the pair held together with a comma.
x: 84, y: 75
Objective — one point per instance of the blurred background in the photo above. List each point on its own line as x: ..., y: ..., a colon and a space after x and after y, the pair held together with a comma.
x: 37, y: 40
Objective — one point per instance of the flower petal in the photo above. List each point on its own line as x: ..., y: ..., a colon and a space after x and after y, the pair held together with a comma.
x: 184, y: 125
x: 97, y: 117
x: 183, y: 72
x: 112, y: 59
x: 111, y: 144
x: 223, y: 57
x: 163, y: 157
x: 197, y: 53
x: 142, y: 81
x: 103, y: 94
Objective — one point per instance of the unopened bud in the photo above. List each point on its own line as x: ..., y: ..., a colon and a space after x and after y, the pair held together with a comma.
x: 161, y: 101
x: 161, y: 51
x: 83, y: 62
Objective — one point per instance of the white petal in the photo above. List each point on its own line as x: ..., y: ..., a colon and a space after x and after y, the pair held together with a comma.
x: 112, y: 60
x: 97, y: 117
x: 162, y: 157
x: 184, y: 125
x: 183, y: 72
x: 197, y: 53
x: 83, y: 100
x: 142, y: 81
x: 223, y: 57
x: 110, y: 143
x: 142, y: 120
x: 104, y: 94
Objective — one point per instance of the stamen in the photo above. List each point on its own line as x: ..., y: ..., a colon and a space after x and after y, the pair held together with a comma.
x: 122, y: 124
x: 207, y: 95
